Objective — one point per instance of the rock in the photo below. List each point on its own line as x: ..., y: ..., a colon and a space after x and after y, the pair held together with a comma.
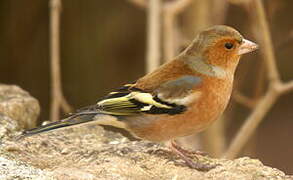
x: 12, y: 170
x: 18, y: 105
x: 89, y: 152
x: 8, y: 127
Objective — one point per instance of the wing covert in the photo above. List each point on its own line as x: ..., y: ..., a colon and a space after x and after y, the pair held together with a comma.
x: 169, y: 98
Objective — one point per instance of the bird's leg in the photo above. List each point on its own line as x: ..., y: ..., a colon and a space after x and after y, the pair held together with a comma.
x: 192, y: 164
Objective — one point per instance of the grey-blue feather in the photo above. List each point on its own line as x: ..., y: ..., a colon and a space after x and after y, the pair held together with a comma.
x: 179, y: 87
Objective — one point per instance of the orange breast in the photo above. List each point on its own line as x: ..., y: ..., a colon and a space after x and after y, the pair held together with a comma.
x: 211, y: 104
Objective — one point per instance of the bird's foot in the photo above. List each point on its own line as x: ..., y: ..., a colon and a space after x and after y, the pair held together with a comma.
x: 200, y: 166
x: 185, y: 155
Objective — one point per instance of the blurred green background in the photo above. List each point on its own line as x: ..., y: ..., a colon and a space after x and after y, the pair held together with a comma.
x: 103, y: 46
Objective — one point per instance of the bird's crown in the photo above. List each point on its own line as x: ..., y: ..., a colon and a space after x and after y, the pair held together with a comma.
x: 209, y: 37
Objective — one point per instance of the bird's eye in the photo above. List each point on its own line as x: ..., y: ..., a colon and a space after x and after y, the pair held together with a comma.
x: 228, y: 45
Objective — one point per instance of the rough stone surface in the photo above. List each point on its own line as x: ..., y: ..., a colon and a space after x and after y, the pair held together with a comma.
x: 18, y: 105
x: 13, y: 170
x: 89, y: 152
x: 8, y: 127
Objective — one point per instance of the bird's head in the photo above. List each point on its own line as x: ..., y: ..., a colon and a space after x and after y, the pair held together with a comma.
x: 221, y: 46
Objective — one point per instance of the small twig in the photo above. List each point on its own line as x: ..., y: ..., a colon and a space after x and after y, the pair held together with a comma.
x: 251, y: 124
x: 153, y: 36
x: 65, y: 105
x: 176, y: 6
x: 57, y: 98
x: 169, y: 26
x: 171, y: 10
x: 267, y: 45
x: 284, y: 88
x: 244, y: 100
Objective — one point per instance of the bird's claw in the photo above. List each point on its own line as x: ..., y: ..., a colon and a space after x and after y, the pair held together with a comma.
x: 200, y: 166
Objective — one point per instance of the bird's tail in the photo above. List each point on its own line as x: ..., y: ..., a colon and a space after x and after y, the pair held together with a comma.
x: 78, y: 118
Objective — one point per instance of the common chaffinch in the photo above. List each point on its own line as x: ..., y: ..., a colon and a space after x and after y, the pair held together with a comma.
x: 180, y: 98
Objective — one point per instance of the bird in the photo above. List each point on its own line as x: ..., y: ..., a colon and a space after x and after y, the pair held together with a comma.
x: 180, y: 98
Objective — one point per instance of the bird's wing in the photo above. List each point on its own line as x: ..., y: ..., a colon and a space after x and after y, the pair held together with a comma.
x: 168, y: 98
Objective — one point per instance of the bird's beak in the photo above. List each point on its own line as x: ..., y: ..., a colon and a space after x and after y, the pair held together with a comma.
x: 247, y: 46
